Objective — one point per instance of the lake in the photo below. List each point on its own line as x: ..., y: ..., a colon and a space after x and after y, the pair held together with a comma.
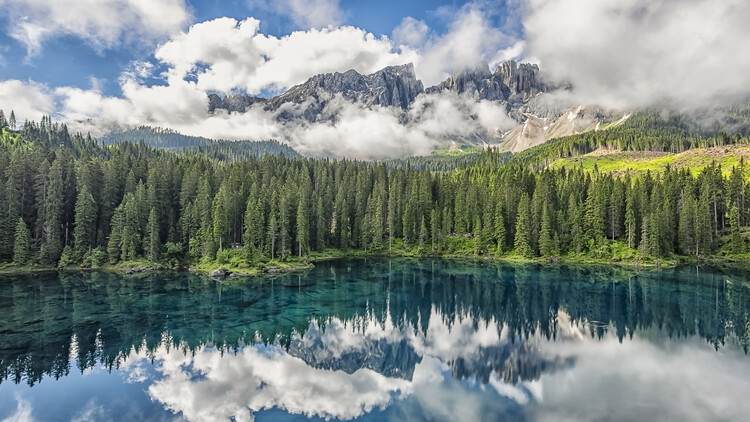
x: 379, y: 339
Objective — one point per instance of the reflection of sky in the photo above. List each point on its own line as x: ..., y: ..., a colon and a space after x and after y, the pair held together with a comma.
x: 603, y: 379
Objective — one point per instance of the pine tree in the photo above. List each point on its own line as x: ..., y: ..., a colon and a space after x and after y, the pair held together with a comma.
x: 545, y: 234
x: 737, y: 245
x: 434, y: 229
x: 84, y: 233
x: 114, y: 245
x: 153, y: 242
x: 645, y: 244
x: 500, y: 232
x: 273, y: 234
x: 686, y: 225
x: 702, y: 224
x: 12, y: 120
x: 253, y: 229
x: 320, y: 225
x: 303, y: 228
x: 522, y: 242
x: 21, y: 250
x: 220, y: 217
x: 630, y: 221
x: 53, y: 213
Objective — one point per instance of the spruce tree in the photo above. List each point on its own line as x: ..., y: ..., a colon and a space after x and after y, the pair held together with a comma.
x: 686, y: 225
x: 21, y: 250
x: 303, y: 228
x: 522, y: 243
x: 545, y: 234
x: 500, y: 232
x: 737, y: 245
x: 153, y: 241
x: 84, y: 233
x: 114, y: 244
x: 220, y: 217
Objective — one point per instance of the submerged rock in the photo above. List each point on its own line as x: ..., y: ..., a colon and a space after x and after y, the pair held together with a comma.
x: 135, y: 270
x: 219, y: 273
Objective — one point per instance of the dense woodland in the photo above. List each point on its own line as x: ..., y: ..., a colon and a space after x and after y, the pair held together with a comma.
x: 65, y: 200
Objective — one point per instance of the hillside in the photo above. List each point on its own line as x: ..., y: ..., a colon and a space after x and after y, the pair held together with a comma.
x: 175, y: 141
x: 620, y: 162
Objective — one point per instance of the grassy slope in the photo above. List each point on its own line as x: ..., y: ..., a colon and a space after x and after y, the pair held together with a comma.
x: 620, y: 162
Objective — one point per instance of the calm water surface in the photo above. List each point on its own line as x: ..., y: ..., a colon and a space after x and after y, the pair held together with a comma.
x: 381, y: 339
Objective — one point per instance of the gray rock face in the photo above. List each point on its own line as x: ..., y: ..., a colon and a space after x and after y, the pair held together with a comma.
x: 232, y: 103
x: 514, y: 86
x: 479, y: 82
x: 522, y: 80
x: 510, y: 82
x: 393, y: 86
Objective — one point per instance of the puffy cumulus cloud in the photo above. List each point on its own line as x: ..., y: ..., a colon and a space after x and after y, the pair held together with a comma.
x: 470, y: 40
x: 643, y: 52
x: 226, y: 55
x: 29, y: 100
x: 358, y: 131
x: 305, y: 13
x: 379, y: 132
x: 411, y: 32
x: 102, y: 23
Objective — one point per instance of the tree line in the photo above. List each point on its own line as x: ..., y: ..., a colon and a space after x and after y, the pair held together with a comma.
x: 72, y: 202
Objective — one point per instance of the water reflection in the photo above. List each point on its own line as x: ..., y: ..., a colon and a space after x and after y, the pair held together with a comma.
x: 423, y: 340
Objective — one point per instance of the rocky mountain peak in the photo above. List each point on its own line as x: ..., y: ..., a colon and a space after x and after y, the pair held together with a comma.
x: 521, y: 79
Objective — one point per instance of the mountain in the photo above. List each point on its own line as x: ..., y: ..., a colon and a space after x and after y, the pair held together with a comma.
x: 510, y: 82
x: 516, y: 88
x: 393, y: 86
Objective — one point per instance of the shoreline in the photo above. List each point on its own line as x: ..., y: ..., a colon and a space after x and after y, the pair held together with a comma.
x: 296, y: 264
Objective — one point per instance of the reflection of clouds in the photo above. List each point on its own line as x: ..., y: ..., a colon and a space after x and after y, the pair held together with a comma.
x: 337, y: 369
x: 643, y: 380
x: 23, y: 411
x: 460, y: 368
x: 209, y: 386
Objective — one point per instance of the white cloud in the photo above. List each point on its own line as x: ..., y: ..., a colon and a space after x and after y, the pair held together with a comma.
x: 643, y: 52
x: 102, y: 23
x: 470, y: 40
x: 226, y: 55
x: 305, y: 13
x: 411, y: 32
x: 29, y: 100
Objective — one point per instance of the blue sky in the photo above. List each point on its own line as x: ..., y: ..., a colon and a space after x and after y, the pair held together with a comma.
x: 70, y: 60
x: 96, y: 64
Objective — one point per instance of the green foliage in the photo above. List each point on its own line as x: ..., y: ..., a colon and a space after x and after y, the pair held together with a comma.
x: 80, y: 202
x: 21, y: 250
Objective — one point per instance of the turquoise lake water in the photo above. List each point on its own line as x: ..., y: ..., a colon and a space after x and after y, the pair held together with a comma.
x: 379, y: 339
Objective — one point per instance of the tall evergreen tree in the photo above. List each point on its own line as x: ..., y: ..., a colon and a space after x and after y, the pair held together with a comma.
x: 545, y: 234
x: 153, y: 242
x: 523, y: 229
x: 21, y: 245
x: 84, y: 233
x: 303, y: 227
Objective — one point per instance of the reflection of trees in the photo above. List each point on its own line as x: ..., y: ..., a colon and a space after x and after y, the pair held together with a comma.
x: 109, y: 315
